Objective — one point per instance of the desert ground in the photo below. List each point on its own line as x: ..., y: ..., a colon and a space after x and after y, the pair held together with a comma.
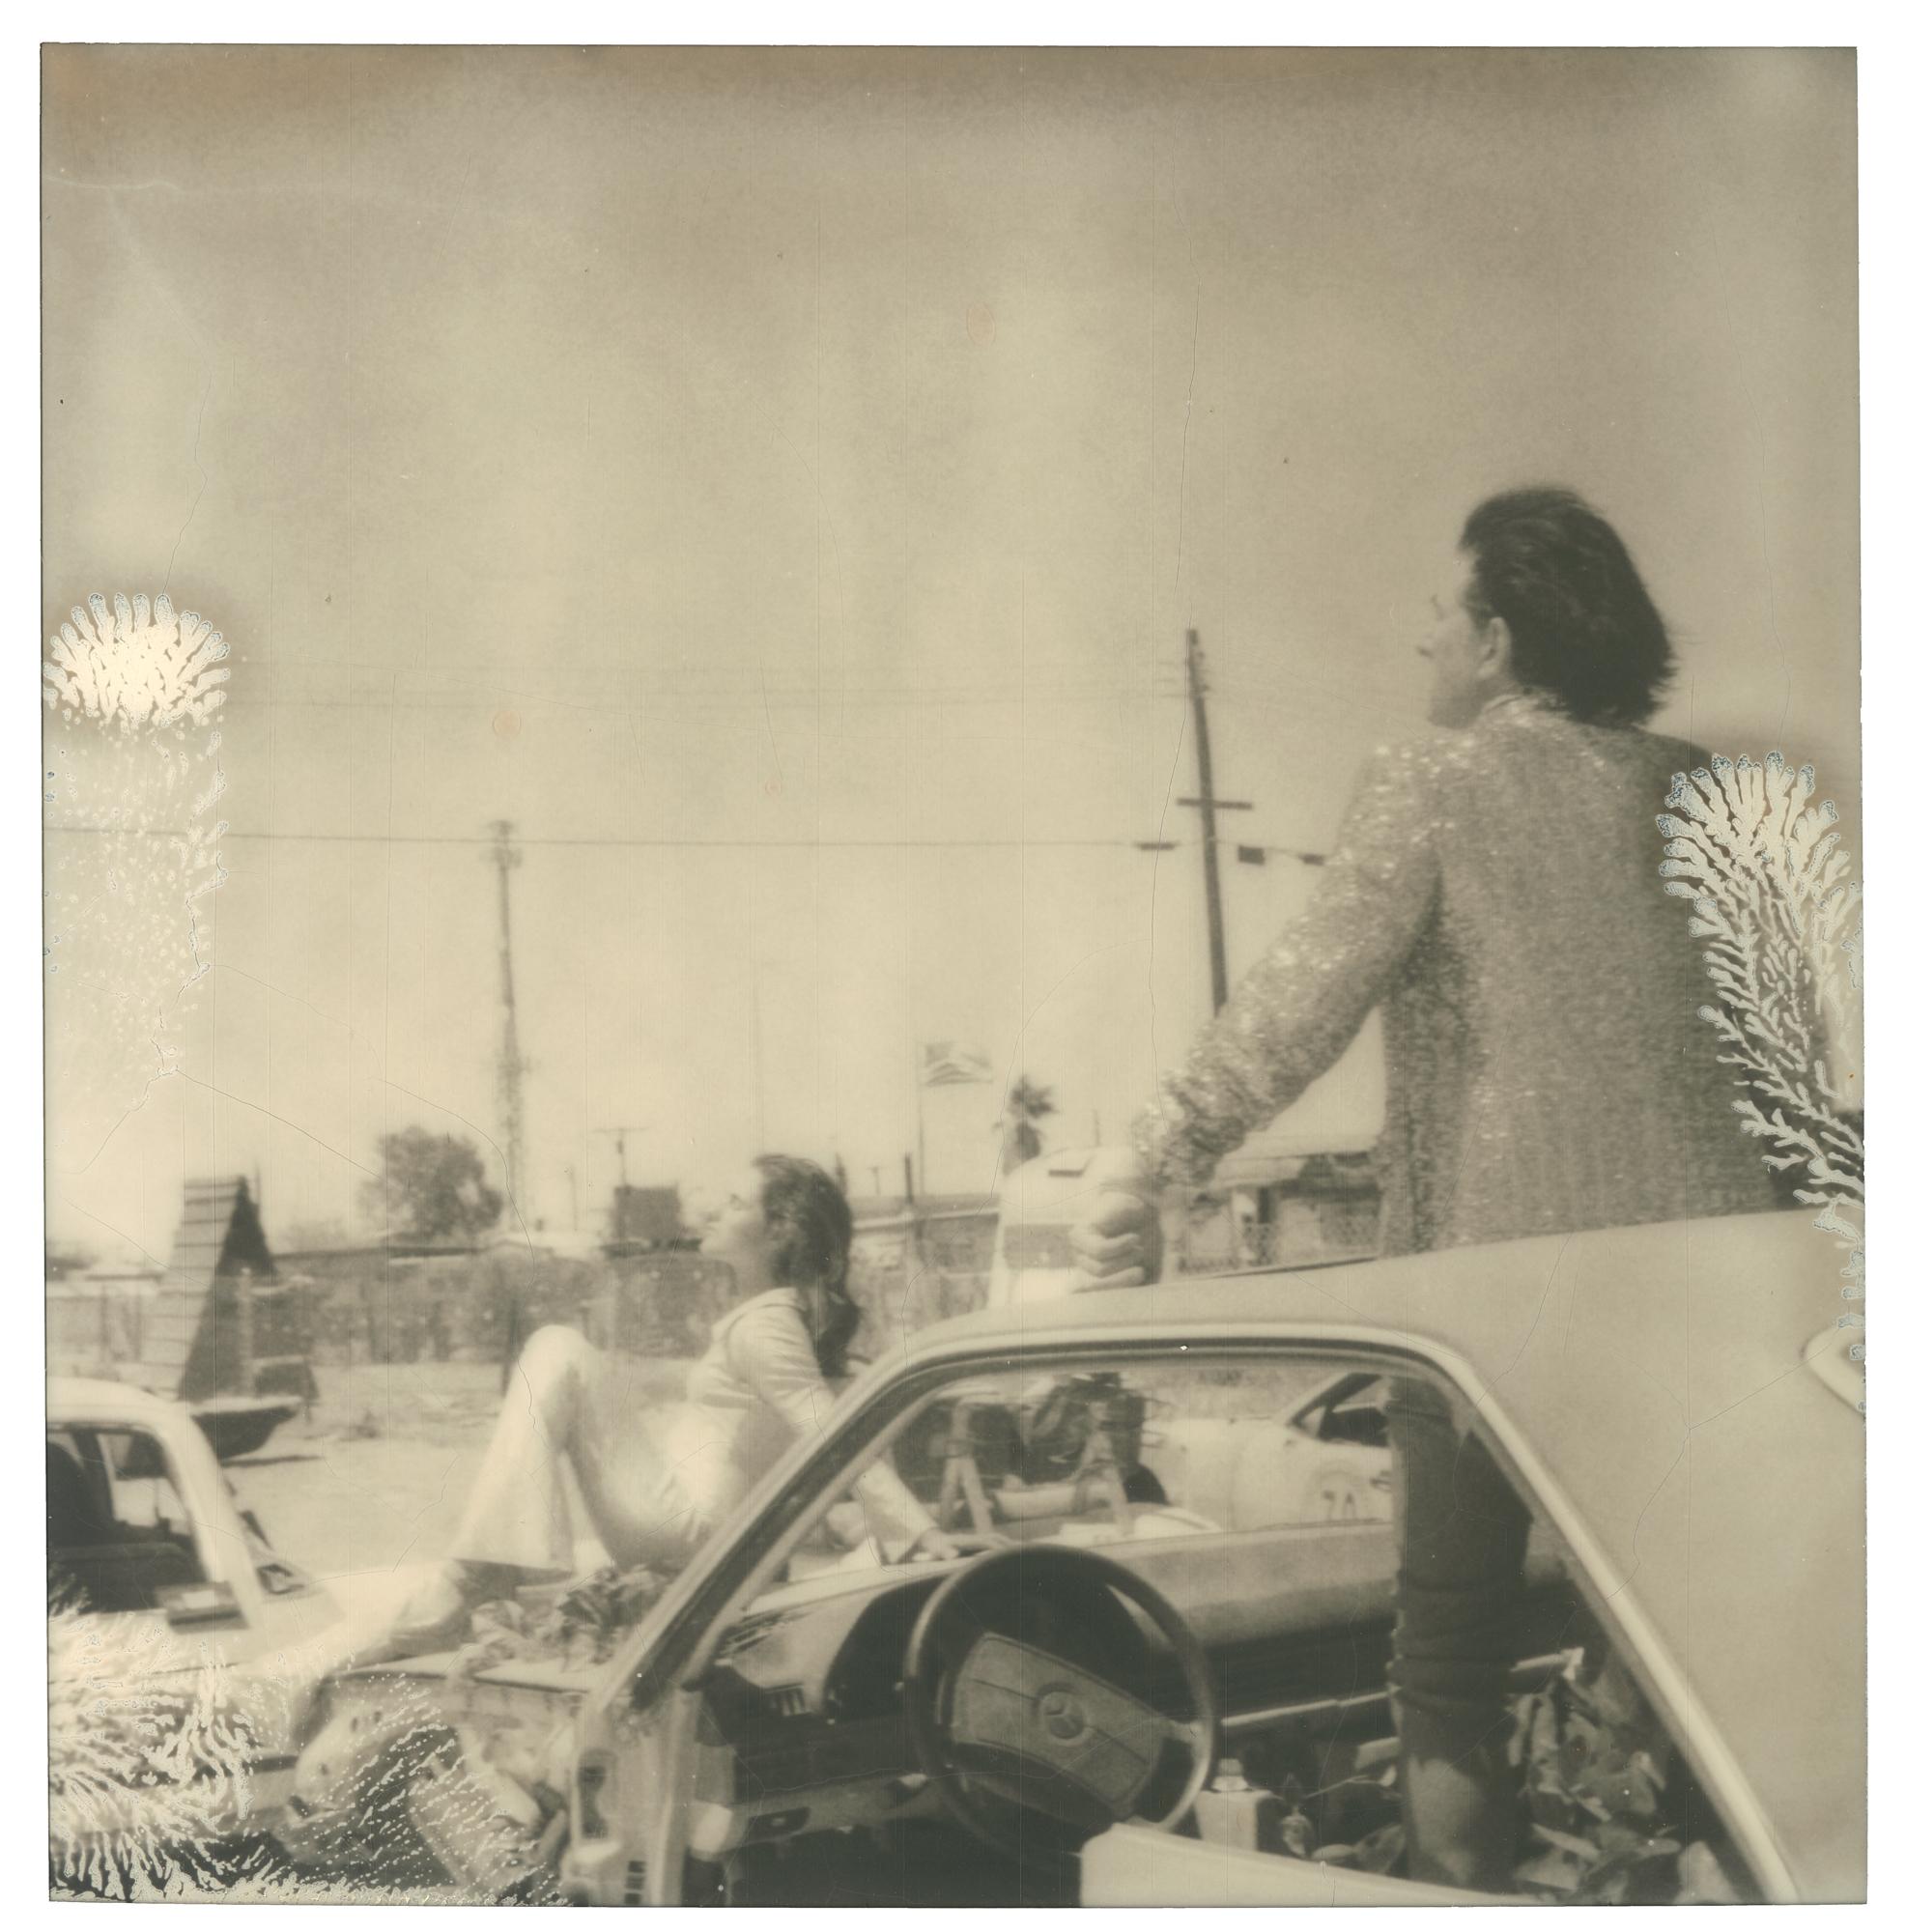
x: 377, y: 1477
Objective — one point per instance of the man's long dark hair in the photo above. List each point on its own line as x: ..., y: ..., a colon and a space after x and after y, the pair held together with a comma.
x: 1583, y: 628
x: 811, y: 1236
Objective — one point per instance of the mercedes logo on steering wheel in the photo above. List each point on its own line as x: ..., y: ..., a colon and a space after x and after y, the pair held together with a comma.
x: 1062, y: 1713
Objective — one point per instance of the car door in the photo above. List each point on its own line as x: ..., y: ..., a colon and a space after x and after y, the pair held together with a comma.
x: 1293, y: 1615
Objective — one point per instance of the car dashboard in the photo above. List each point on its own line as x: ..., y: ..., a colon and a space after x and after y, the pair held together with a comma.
x: 801, y: 1725
x: 800, y: 1728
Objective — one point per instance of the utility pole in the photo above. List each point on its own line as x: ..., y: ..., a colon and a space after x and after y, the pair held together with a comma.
x: 755, y: 1033
x: 510, y: 1067
x: 1208, y: 804
x: 619, y: 1216
x: 621, y: 1144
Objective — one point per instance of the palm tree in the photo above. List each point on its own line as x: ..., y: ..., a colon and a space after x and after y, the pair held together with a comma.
x: 1026, y: 1105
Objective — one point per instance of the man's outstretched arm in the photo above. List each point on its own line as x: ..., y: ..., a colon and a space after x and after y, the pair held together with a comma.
x: 1290, y: 1019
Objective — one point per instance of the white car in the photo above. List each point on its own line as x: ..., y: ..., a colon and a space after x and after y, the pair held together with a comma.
x: 1325, y: 1457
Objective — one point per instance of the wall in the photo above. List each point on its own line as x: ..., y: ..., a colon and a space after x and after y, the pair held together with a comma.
x: 363, y: 1305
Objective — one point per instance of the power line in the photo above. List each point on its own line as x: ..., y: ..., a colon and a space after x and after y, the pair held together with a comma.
x: 606, y: 669
x: 1287, y: 665
x: 727, y: 698
x: 618, y: 687
x: 702, y: 845
x: 709, y: 845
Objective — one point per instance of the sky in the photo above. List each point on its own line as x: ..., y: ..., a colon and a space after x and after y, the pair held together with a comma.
x: 780, y: 486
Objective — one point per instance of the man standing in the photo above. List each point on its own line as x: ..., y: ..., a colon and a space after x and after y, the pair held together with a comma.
x: 1495, y: 891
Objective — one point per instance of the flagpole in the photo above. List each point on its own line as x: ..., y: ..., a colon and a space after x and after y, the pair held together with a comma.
x: 943, y: 1063
x: 919, y: 1125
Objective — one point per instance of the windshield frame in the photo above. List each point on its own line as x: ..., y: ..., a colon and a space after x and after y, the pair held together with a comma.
x: 674, y: 1643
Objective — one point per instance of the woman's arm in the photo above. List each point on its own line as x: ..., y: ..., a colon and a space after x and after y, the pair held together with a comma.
x: 771, y: 1348
x: 1299, y: 1008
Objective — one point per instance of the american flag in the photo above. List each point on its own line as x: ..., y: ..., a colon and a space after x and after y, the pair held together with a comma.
x: 948, y: 1062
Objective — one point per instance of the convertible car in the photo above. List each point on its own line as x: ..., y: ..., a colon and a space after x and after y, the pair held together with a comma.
x: 1159, y: 1677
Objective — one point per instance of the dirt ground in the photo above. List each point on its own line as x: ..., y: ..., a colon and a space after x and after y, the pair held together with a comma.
x: 378, y: 1476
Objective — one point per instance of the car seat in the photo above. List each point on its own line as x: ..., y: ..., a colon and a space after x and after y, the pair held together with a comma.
x: 71, y: 1515
x: 114, y: 1569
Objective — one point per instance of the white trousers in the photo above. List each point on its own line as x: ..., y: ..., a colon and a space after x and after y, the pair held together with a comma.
x: 567, y: 1400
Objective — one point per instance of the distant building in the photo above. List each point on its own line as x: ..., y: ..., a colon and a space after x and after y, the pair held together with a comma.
x: 916, y: 1264
x: 96, y: 1317
x: 391, y: 1299
x: 217, y: 1328
x: 221, y: 1323
x: 643, y: 1220
x: 1294, y: 1199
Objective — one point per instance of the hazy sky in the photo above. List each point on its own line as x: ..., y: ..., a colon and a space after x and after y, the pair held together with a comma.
x: 780, y: 485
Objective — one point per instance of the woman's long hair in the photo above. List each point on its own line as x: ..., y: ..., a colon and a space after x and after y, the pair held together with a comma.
x: 810, y: 1235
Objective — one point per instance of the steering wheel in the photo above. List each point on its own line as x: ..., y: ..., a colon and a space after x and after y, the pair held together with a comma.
x: 992, y: 1716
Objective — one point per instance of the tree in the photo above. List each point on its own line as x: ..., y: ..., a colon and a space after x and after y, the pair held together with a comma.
x: 1026, y: 1106
x: 432, y: 1187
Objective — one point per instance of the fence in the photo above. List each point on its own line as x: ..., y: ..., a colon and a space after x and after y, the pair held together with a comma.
x: 367, y: 1306
x: 908, y: 1270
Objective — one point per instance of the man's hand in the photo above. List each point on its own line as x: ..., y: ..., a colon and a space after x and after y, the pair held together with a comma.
x: 1120, y: 1243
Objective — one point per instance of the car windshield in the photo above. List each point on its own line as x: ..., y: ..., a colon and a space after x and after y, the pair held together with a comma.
x: 1102, y: 1454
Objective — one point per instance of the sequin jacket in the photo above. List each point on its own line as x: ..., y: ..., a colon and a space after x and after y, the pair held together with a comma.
x: 1496, y: 891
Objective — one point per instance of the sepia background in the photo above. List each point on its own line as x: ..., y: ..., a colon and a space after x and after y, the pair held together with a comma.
x: 777, y: 485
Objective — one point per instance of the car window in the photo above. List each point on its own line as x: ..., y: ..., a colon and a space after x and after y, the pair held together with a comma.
x: 1102, y: 1455
x: 143, y: 1495
x: 101, y: 1482
x: 118, y: 1534
x: 1349, y: 1409
x: 1171, y: 1448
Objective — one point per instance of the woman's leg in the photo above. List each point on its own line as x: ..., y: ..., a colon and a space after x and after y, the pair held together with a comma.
x: 1462, y: 1537
x: 566, y: 1399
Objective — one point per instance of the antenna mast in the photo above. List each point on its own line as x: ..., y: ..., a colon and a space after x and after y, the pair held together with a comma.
x: 510, y: 1065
